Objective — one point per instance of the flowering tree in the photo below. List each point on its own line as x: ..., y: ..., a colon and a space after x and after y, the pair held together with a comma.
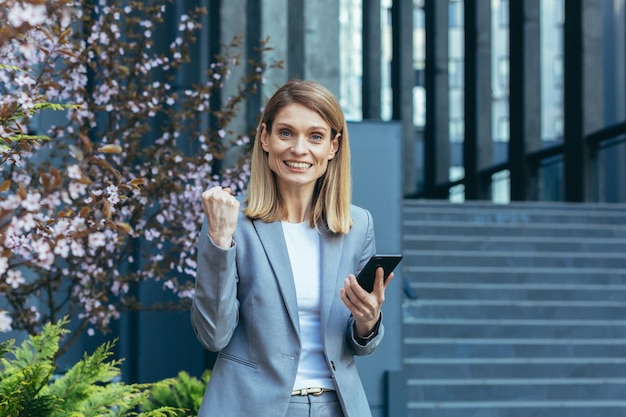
x: 105, y: 198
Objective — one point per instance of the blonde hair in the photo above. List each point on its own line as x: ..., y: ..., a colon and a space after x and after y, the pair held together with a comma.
x: 333, y: 191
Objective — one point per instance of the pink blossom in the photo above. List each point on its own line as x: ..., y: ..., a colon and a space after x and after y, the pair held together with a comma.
x: 113, y: 197
x: 78, y: 224
x: 11, y: 203
x: 62, y: 248
x: 5, y: 322
x: 15, y: 278
x: 31, y: 203
x: 25, y: 223
x: 74, y: 172
x: 26, y: 101
x: 34, y: 233
x: 34, y: 313
x: 24, y: 80
x: 44, y: 256
x: 97, y: 240
x: 27, y: 13
x: 4, y: 264
x: 186, y: 293
x: 77, y: 249
x: 76, y: 189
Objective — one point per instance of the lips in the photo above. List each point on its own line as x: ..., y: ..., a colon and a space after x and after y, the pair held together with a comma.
x: 298, y: 165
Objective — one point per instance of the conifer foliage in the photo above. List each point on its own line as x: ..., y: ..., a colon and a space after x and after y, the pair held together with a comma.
x: 30, y: 388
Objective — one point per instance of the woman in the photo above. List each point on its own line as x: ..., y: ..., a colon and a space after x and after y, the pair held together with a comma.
x: 276, y: 293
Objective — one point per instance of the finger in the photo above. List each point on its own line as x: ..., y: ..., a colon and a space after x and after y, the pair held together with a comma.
x: 220, y: 195
x: 348, y: 302
x: 354, y: 289
x: 365, y: 304
x: 389, y: 278
x: 350, y: 290
x: 379, y: 277
x: 206, y: 194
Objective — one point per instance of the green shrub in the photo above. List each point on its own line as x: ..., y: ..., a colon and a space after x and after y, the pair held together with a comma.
x: 183, y: 392
x: 88, y: 389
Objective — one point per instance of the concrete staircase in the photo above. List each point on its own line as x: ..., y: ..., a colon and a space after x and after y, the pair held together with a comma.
x: 520, y: 309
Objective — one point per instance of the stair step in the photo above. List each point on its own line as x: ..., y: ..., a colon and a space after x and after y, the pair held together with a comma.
x: 479, y: 232
x: 514, y: 259
x: 525, y: 369
x: 520, y: 408
x: 506, y: 348
x: 551, y: 313
x: 515, y: 389
x: 520, y: 309
x: 510, y: 329
x: 525, y: 206
x: 478, y: 275
x: 441, y: 273
x: 439, y: 291
x: 513, y: 243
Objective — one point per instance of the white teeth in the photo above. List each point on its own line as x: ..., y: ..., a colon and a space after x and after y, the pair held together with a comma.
x: 298, y: 165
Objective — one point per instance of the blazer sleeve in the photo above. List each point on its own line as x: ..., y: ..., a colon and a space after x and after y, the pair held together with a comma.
x: 369, y: 249
x: 215, y: 308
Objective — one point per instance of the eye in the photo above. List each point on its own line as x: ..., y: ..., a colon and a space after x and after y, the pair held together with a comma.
x: 284, y: 133
x: 316, y: 137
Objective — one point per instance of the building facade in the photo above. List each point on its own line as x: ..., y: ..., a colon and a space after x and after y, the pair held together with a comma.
x: 499, y: 100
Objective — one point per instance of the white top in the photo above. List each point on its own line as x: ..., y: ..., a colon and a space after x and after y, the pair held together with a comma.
x: 303, y: 245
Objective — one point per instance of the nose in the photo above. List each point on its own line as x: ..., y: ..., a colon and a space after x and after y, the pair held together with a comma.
x: 299, y: 145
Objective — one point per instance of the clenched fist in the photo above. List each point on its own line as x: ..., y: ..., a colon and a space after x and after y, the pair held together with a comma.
x: 222, y: 210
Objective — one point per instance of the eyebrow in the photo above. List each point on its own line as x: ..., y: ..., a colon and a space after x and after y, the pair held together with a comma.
x: 288, y: 125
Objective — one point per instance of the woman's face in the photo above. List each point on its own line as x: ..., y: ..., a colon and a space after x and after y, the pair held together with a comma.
x: 299, y: 147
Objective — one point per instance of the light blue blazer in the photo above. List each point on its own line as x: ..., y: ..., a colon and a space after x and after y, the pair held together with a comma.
x: 245, y: 308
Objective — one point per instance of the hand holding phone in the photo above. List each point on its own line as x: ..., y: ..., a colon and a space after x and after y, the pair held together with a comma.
x: 368, y: 274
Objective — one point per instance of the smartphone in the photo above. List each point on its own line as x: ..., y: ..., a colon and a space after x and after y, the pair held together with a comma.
x: 368, y: 273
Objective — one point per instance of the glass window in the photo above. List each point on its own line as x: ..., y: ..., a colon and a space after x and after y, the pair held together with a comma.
x: 502, y: 12
x: 500, y: 70
x: 500, y: 187
x: 551, y: 50
x: 455, y: 13
x: 351, y: 58
x: 502, y: 134
x: 455, y: 73
x: 457, y: 130
x: 503, y: 74
x: 557, y: 66
x: 419, y: 106
x: 456, y: 61
x: 386, y: 42
x: 456, y: 194
x: 419, y: 64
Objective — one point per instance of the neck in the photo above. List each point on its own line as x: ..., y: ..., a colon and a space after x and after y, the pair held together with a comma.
x: 297, y: 206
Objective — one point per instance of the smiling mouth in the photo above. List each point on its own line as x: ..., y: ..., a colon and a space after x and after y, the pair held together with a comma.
x: 297, y: 165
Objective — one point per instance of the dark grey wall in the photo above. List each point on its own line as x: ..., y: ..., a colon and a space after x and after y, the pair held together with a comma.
x: 377, y: 180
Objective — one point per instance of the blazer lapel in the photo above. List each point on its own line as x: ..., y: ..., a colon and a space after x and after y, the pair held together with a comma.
x: 273, y: 241
x: 331, y: 248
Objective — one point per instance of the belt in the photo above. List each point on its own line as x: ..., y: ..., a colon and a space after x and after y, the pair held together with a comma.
x: 316, y: 392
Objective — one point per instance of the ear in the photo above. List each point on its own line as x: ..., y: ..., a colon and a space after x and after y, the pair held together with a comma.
x: 264, y: 137
x: 334, y: 146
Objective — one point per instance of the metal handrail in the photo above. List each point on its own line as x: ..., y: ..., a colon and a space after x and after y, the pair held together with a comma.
x: 594, y: 141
